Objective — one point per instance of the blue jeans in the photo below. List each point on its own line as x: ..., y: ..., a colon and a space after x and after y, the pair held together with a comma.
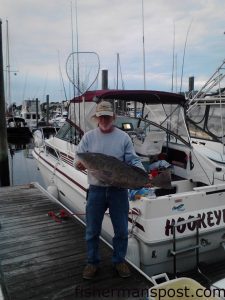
x: 98, y: 200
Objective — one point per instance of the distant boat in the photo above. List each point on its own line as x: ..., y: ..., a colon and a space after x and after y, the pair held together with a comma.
x: 31, y: 112
x: 17, y: 129
x: 59, y: 119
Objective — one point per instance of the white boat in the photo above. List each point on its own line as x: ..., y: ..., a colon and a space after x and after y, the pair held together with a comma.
x: 17, y: 129
x: 58, y: 119
x: 171, y: 230
x: 31, y: 112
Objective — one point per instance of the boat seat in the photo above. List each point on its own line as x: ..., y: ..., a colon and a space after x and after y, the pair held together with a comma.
x: 152, y: 144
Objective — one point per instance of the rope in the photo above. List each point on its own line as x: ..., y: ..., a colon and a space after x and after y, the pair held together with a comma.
x: 63, y: 215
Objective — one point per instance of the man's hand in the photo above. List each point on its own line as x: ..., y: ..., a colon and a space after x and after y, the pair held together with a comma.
x: 79, y: 166
x: 149, y: 185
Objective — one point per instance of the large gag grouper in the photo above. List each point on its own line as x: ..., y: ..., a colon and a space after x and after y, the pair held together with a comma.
x: 115, y: 172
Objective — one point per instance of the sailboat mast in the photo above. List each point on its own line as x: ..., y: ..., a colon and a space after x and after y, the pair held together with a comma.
x: 143, y: 44
x: 8, y: 77
x: 4, y: 161
x: 77, y: 41
x: 72, y: 45
x: 117, y: 71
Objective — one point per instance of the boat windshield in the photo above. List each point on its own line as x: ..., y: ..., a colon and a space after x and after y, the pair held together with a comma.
x: 70, y: 133
x: 169, y: 118
x: 207, y: 121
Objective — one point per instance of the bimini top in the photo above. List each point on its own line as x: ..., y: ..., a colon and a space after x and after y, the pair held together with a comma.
x: 143, y: 96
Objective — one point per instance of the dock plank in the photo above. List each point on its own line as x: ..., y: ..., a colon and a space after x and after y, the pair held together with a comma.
x: 43, y: 259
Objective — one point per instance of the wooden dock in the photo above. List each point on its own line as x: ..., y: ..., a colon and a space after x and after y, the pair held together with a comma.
x: 41, y: 258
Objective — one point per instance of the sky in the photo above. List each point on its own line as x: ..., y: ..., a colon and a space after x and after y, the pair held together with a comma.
x: 181, y: 39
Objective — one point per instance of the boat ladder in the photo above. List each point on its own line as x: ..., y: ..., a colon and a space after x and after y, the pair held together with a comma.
x: 175, y: 252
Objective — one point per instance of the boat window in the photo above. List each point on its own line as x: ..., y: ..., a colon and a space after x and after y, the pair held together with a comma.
x: 51, y: 151
x: 28, y: 116
x: 198, y: 132
x: 207, y: 121
x: 69, y: 133
x: 62, y: 131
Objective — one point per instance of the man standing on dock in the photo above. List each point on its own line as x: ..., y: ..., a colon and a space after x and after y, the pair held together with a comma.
x: 109, y: 140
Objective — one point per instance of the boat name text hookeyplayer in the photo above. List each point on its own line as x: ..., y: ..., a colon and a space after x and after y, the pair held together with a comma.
x: 207, y: 219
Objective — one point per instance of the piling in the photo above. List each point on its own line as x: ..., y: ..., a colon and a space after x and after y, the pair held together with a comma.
x: 37, y: 120
x: 4, y: 161
x: 105, y: 79
x: 47, y: 109
x: 191, y: 83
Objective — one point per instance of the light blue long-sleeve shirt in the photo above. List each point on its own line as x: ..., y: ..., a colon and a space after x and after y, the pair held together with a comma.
x: 117, y: 143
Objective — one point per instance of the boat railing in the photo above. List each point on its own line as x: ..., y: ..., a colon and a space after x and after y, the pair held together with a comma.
x: 214, y: 80
x: 40, y: 142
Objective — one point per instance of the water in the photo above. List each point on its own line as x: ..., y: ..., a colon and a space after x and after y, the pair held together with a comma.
x: 22, y: 165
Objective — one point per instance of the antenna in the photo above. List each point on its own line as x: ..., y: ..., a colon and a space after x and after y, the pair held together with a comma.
x: 185, y: 45
x: 173, y: 64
